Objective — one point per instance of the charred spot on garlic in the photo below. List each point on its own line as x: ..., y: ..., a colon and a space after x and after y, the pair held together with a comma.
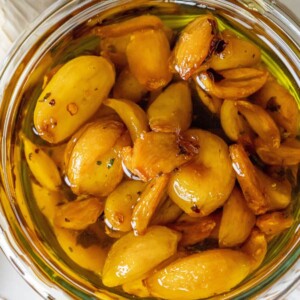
x: 52, y: 102
x: 72, y: 108
x: 272, y: 105
x: 215, y: 76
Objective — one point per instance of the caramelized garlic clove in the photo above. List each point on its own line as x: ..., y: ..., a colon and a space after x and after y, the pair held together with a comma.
x: 95, y: 165
x: 247, y: 178
x: 194, y: 230
x: 278, y: 192
x: 156, y: 153
x: 120, y: 203
x: 256, y: 248
x: 148, y: 53
x: 41, y: 165
x: 167, y: 212
x: 232, y: 84
x: 114, y: 48
x: 288, y: 153
x: 193, y: 46
x: 233, y: 124
x: 234, y: 52
x: 91, y: 257
x: 261, y: 122
x: 171, y: 111
x: 274, y: 223
x: 200, y: 275
x: 128, y: 87
x: 78, y: 215
x: 213, y: 104
x: 212, y: 168
x: 280, y: 104
x: 237, y: 220
x: 261, y: 192
x: 72, y: 96
x: 132, y: 256
x: 148, y: 202
x: 132, y: 115
x: 137, y: 287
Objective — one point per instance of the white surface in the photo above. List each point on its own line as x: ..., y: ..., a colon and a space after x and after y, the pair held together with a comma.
x: 12, y: 286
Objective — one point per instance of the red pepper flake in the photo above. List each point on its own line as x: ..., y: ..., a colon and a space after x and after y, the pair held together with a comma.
x: 52, y: 102
x: 72, y: 108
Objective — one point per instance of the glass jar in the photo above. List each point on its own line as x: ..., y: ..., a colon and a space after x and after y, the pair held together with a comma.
x: 29, y: 246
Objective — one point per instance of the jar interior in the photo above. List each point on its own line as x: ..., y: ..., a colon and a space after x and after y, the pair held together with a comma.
x: 74, y: 41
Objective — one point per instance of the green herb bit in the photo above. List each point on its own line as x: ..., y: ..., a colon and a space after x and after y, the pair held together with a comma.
x: 111, y: 162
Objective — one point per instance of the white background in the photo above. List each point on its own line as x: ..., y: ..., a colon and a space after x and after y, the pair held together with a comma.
x: 12, y: 286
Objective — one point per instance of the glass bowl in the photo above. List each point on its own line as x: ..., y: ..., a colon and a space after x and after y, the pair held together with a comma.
x: 25, y: 237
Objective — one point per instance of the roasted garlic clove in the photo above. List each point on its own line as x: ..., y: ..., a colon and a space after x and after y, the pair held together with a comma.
x: 156, y: 153
x: 204, y: 184
x: 237, y: 220
x: 41, y: 165
x: 233, y: 124
x: 129, y: 26
x: 167, y: 212
x: 280, y: 104
x: 274, y: 223
x: 261, y: 192
x: 78, y: 215
x: 213, y: 104
x: 193, y: 46
x: 72, y: 96
x: 95, y: 166
x: 91, y: 257
x: 120, y: 203
x: 200, y: 275
x: 132, y: 115
x: 279, y: 192
x: 114, y: 48
x: 47, y: 200
x: 234, y: 52
x: 148, y: 202
x: 261, y: 122
x: 232, y: 84
x: 128, y: 87
x: 288, y: 153
x: 256, y: 247
x: 148, y: 53
x: 194, y: 230
x: 171, y: 111
x: 132, y: 256
x: 246, y: 176
x: 137, y: 287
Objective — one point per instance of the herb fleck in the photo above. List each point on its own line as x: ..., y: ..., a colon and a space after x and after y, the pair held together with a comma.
x: 139, y: 193
x: 71, y: 249
x: 110, y: 163
x: 37, y: 150
x: 30, y: 156
x: 99, y: 162
x: 45, y: 97
x: 67, y: 220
